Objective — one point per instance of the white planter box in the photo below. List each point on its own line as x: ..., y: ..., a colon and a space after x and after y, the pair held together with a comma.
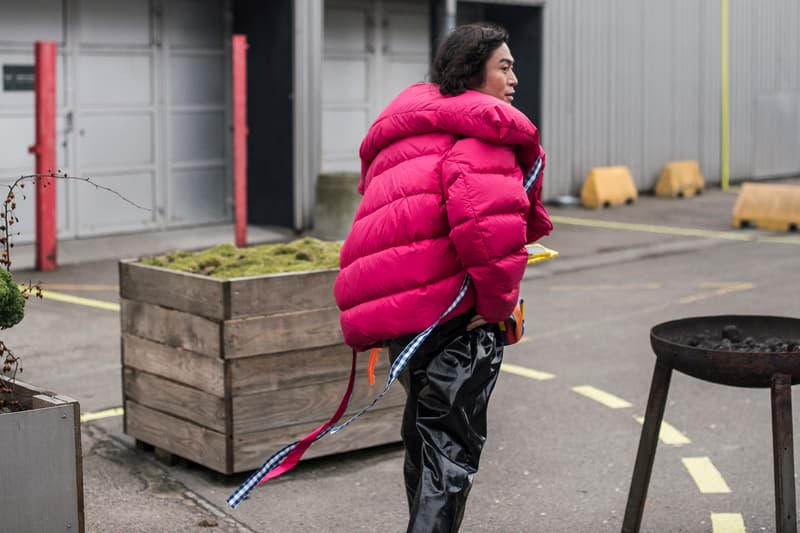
x: 41, y: 465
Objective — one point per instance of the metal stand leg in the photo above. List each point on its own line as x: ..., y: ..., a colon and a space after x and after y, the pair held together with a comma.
x: 783, y: 454
x: 647, y: 447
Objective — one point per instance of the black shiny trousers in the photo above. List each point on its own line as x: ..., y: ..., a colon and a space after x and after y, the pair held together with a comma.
x: 448, y: 384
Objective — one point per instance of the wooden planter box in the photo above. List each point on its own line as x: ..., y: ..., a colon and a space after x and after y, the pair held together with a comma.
x: 41, y: 463
x: 226, y: 372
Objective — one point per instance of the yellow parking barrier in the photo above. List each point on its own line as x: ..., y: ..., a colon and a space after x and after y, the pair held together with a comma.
x: 605, y: 186
x: 771, y: 206
x: 680, y: 179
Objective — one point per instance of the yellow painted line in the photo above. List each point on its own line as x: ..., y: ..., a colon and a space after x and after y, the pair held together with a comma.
x: 652, y: 228
x: 605, y: 398
x: 604, y: 287
x: 789, y: 239
x: 81, y: 287
x: 108, y: 413
x: 673, y: 230
x: 727, y: 285
x: 727, y: 523
x: 583, y: 325
x: 526, y: 372
x: 705, y: 475
x: 721, y: 289
x: 668, y: 433
x: 78, y: 300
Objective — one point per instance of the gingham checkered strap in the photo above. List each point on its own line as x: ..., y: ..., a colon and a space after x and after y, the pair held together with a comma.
x: 286, y: 458
x: 405, y: 356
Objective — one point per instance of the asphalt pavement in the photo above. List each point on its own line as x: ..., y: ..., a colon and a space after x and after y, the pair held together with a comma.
x: 563, y: 421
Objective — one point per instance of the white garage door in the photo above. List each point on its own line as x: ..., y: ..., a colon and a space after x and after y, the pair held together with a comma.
x: 20, y: 23
x: 373, y: 50
x: 142, y: 108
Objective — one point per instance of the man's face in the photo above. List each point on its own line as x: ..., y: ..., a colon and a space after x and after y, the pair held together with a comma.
x: 499, y: 79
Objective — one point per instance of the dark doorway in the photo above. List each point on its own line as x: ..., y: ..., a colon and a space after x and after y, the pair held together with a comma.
x: 524, y: 25
x: 270, y: 162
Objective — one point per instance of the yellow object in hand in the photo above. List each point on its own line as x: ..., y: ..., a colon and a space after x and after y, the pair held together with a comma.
x: 538, y: 253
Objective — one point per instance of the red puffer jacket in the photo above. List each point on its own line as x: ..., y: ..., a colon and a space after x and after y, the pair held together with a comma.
x: 443, y: 196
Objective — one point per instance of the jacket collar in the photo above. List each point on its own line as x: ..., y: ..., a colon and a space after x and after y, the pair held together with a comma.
x: 421, y: 108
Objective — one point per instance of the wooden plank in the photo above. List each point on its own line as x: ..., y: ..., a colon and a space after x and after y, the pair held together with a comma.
x: 192, y: 293
x: 167, y: 326
x: 175, y: 399
x: 190, y: 368
x: 282, y: 293
x: 281, y: 333
x: 183, y: 438
x: 311, y: 403
x: 261, y: 373
x: 375, y: 428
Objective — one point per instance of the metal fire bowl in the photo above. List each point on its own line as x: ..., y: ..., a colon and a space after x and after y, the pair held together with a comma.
x: 670, y: 341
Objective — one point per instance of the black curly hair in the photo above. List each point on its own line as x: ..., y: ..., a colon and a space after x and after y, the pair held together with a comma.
x: 460, y: 59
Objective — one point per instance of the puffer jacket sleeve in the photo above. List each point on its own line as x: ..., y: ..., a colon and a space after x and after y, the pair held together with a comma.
x: 539, y: 223
x: 487, y: 209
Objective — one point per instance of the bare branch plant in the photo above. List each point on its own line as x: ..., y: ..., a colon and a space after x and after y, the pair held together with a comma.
x: 12, y: 295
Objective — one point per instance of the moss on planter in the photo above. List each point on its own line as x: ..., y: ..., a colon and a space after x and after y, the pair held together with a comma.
x: 228, y: 261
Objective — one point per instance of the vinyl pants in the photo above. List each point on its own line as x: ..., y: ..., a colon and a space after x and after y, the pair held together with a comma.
x: 448, y: 384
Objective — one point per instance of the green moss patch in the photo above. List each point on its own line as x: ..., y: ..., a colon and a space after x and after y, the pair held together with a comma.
x: 228, y: 261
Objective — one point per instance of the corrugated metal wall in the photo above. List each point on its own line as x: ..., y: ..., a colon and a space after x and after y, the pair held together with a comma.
x: 765, y: 86
x: 637, y: 83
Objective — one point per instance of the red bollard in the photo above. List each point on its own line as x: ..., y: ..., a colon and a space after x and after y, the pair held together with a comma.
x: 45, y: 150
x: 240, y: 138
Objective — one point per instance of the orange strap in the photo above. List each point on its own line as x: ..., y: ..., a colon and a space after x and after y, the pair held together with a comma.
x: 373, y: 360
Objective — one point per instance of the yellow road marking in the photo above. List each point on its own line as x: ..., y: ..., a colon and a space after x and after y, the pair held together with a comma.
x: 60, y: 297
x: 721, y: 288
x: 605, y: 398
x: 115, y: 411
x: 793, y: 239
x: 526, y: 372
x: 705, y: 475
x: 673, y: 230
x: 80, y: 287
x: 604, y: 287
x: 583, y: 325
x: 652, y: 228
x: 668, y: 433
x: 727, y: 523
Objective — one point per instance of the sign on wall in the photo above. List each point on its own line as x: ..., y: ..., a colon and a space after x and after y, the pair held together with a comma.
x: 17, y: 77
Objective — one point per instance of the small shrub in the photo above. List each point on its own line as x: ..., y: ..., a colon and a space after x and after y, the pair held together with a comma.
x: 12, y: 302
